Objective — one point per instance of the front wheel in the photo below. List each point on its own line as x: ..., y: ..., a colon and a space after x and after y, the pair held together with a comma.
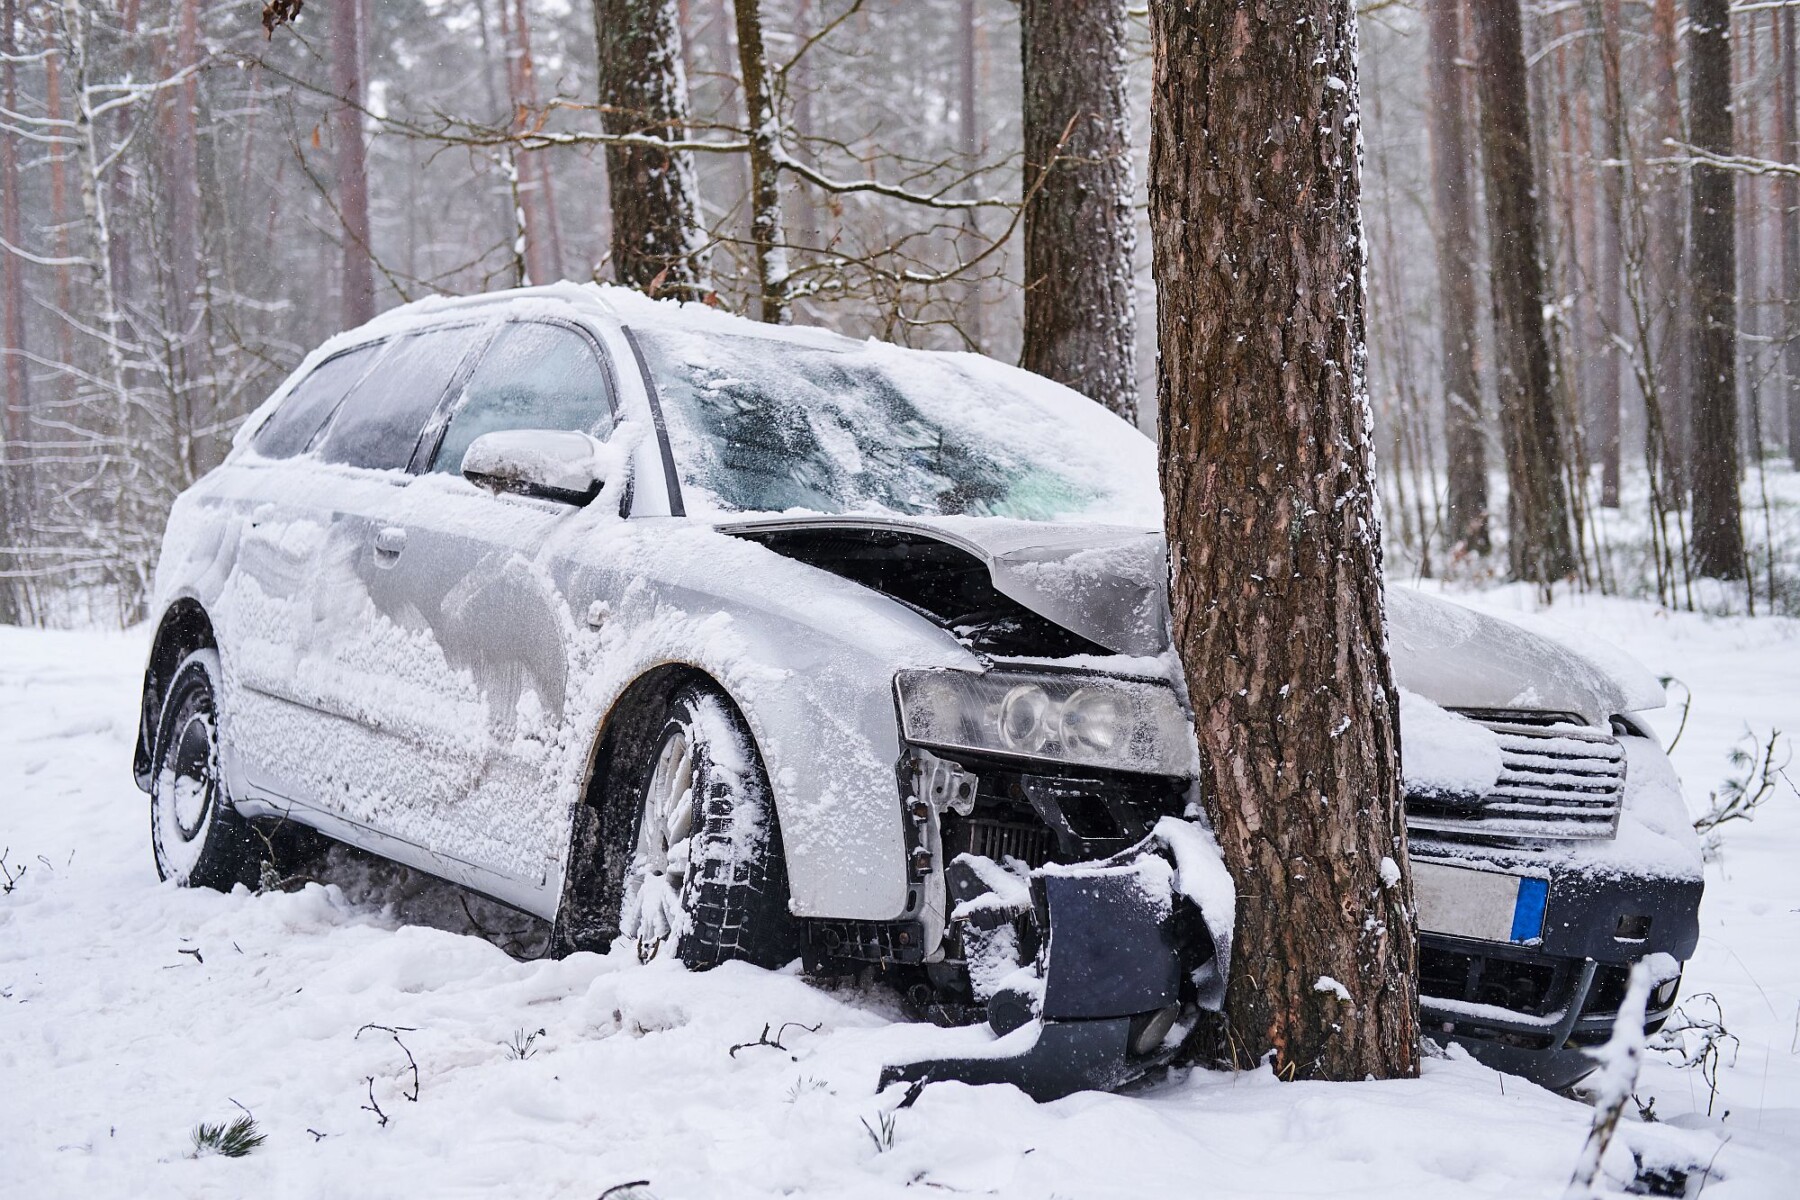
x: 706, y: 869
x: 198, y: 838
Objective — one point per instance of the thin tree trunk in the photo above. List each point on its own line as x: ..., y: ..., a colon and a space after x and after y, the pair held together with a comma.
x: 1608, y: 272
x: 1080, y: 233
x: 60, y: 216
x: 1787, y: 120
x: 183, y: 164
x: 1669, y: 251
x: 1451, y: 161
x: 969, y: 143
x: 657, y: 243
x: 16, y: 402
x: 766, y: 232
x: 1538, y: 543
x: 358, y: 275
x: 1270, y: 507
x: 543, y: 238
x: 1718, y: 542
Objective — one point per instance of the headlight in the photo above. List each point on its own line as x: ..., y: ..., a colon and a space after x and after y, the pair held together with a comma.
x: 1088, y: 720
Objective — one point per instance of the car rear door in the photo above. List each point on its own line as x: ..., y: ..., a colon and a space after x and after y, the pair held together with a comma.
x: 472, y: 575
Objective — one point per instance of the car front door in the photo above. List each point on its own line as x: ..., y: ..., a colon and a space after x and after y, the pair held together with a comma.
x: 470, y: 578
x: 378, y: 706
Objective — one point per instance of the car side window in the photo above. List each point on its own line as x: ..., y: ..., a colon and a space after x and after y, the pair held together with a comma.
x: 310, y: 404
x: 534, y: 376
x: 379, y: 422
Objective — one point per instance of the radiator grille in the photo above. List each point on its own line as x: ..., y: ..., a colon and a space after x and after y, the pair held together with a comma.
x: 1559, y: 779
x: 1000, y: 840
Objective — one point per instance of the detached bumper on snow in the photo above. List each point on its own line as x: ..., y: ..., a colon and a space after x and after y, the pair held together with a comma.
x: 1125, y: 952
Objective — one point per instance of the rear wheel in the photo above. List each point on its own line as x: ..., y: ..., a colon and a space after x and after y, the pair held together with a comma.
x: 197, y: 836
x: 706, y: 870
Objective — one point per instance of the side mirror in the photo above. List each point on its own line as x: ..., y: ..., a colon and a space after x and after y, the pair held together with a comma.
x: 553, y: 464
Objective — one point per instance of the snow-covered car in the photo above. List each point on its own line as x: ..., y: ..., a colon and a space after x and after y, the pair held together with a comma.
x: 764, y: 643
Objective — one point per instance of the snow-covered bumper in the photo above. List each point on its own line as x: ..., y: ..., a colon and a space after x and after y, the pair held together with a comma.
x: 1533, y: 999
x: 1090, y: 972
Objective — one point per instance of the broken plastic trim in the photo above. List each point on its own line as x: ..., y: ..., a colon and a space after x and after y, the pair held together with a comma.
x: 1121, y: 947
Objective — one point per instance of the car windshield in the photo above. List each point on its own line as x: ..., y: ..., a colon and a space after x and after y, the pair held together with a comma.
x: 760, y: 424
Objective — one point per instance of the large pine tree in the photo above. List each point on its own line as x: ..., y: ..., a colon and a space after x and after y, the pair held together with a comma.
x: 1080, y: 234
x: 656, y: 236
x: 1452, y: 166
x: 1274, y: 543
x: 1718, y: 546
x: 1539, y: 544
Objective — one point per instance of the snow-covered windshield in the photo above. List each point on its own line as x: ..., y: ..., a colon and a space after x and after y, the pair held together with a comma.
x: 759, y: 424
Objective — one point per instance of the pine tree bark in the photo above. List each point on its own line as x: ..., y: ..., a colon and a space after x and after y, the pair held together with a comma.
x: 766, y: 233
x: 1788, y: 134
x: 1718, y: 539
x: 1668, y: 254
x: 357, y: 284
x: 1608, y: 274
x: 1539, y: 546
x: 1080, y: 235
x: 1466, y: 500
x: 657, y: 243
x: 1270, y: 508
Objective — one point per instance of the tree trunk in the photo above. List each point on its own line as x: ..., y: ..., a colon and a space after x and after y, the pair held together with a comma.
x: 1451, y: 159
x: 543, y: 245
x: 1608, y: 274
x: 766, y: 233
x: 657, y: 244
x: 1789, y: 191
x: 1539, y: 546
x: 1718, y: 543
x: 1270, y: 507
x: 358, y: 278
x: 1668, y: 253
x: 1080, y: 234
x: 183, y: 165
x: 16, y: 400
x: 969, y: 144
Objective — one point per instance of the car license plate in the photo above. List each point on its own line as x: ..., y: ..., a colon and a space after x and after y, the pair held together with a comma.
x: 1487, y: 905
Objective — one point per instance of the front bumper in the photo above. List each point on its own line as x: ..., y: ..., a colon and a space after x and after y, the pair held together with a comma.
x: 1533, y: 1005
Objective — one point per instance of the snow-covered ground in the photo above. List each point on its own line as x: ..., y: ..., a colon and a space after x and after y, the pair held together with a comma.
x: 130, y: 1012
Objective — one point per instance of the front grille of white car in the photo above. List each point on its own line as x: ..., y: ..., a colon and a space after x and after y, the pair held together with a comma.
x: 1559, y: 779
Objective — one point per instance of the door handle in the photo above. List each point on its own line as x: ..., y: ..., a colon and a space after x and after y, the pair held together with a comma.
x: 388, y: 545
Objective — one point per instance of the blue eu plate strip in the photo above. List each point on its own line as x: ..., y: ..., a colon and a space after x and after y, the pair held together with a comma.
x: 1528, y: 910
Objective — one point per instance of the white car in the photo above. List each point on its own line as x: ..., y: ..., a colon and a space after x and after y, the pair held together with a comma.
x: 766, y: 643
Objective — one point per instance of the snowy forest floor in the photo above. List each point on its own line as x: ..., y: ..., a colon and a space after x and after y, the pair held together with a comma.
x: 131, y: 1011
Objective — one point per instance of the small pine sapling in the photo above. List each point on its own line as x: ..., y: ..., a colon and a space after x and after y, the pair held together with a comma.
x: 228, y: 1141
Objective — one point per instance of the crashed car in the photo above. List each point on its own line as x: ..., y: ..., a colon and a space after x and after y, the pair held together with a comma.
x: 757, y: 643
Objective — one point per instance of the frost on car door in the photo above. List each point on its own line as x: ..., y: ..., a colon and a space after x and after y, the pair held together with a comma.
x: 472, y: 569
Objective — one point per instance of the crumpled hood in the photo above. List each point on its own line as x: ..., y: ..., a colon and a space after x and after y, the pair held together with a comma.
x: 1110, y: 585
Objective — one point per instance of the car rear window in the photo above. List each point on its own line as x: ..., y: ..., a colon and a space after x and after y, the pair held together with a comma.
x: 310, y: 403
x: 534, y: 376
x: 378, y: 424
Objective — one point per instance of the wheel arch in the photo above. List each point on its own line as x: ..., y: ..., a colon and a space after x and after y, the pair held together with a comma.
x: 184, y: 628
x: 587, y: 916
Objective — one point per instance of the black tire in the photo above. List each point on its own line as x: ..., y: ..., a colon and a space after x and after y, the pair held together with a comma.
x: 197, y: 837
x: 732, y: 889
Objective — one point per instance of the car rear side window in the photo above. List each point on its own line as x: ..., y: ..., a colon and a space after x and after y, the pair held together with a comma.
x: 534, y: 376
x: 311, y: 403
x: 379, y: 422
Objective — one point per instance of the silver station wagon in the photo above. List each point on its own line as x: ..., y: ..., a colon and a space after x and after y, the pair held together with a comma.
x: 750, y: 643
